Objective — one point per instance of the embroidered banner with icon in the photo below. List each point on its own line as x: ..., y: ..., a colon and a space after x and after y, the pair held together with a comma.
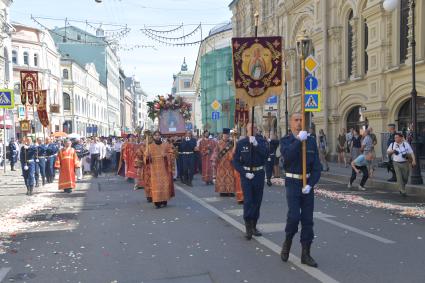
x: 257, y: 68
x: 29, y: 86
x: 41, y: 107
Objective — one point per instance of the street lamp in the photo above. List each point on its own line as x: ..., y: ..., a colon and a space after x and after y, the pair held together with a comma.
x: 304, y: 46
x: 389, y: 6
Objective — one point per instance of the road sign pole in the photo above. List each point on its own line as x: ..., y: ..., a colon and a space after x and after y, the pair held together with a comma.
x: 4, y: 140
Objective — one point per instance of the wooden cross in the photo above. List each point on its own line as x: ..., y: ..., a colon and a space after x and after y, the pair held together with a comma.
x: 269, y: 119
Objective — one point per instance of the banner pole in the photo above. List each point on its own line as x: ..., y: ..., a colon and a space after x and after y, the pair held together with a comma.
x: 4, y: 140
x: 304, y: 144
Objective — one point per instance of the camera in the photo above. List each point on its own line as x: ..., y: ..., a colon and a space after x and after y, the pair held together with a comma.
x: 404, y: 155
x: 396, y: 152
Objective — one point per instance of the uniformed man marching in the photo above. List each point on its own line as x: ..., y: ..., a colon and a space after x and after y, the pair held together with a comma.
x: 187, y: 152
x: 40, y: 162
x: 250, y: 166
x: 51, y: 151
x: 27, y: 157
x: 300, y: 199
x: 272, y: 145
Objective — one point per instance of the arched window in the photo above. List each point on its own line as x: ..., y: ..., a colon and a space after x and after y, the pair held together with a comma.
x: 349, y: 44
x: 353, y: 118
x: 405, y: 116
x: 26, y: 58
x: 66, y: 101
x: 36, y: 60
x: 404, y: 30
x: 65, y: 74
x: 15, y: 57
x: 366, y: 43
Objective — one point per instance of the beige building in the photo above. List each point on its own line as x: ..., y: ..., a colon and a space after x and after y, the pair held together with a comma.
x: 364, y: 55
x: 34, y: 49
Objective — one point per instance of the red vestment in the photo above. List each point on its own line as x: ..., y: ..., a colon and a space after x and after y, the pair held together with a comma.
x: 206, y: 148
x: 66, y: 162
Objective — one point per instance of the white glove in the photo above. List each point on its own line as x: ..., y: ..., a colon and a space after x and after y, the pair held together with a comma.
x: 302, y: 136
x: 306, y: 190
x: 269, y: 140
x: 26, y: 168
x: 253, y: 141
x: 249, y: 176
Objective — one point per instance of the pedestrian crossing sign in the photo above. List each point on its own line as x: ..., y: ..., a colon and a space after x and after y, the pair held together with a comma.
x: 312, y: 101
x: 7, y: 99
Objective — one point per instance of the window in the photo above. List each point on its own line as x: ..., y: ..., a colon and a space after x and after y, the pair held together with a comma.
x: 26, y: 58
x: 78, y: 37
x: 350, y: 45
x: 66, y: 101
x: 15, y: 57
x: 36, y: 60
x: 404, y: 30
x: 65, y: 74
x: 186, y: 84
x: 366, y: 43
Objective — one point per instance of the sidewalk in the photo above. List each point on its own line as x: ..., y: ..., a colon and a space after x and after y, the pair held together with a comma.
x: 339, y: 173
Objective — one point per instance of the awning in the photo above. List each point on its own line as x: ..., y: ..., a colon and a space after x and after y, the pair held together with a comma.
x: 8, y: 122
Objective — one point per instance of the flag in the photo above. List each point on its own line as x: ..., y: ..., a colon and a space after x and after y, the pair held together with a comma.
x: 42, y: 109
x: 257, y: 68
x: 29, y: 85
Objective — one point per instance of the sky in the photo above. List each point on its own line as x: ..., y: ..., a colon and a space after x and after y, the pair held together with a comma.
x: 154, y: 67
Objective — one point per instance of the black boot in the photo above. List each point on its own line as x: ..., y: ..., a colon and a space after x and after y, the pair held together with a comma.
x: 149, y: 199
x: 286, y: 248
x: 43, y: 181
x: 248, y: 227
x: 306, y: 257
x: 269, y: 182
x: 37, y: 184
x: 30, y: 190
x: 255, y: 232
x: 189, y: 182
x: 393, y: 178
x: 157, y: 204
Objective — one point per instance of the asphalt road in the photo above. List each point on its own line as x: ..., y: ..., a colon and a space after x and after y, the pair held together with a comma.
x: 106, y: 232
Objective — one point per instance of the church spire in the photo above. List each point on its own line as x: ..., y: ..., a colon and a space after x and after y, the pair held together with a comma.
x: 184, y: 65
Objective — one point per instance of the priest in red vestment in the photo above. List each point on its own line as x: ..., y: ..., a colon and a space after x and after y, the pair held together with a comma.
x: 223, y: 156
x: 128, y: 152
x: 67, y: 161
x: 206, y: 149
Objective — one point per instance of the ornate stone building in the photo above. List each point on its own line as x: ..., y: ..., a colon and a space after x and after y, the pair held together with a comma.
x: 364, y: 54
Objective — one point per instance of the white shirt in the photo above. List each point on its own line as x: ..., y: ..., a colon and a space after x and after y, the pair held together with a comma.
x: 117, y: 146
x: 402, y: 148
x: 102, y: 150
x: 95, y: 148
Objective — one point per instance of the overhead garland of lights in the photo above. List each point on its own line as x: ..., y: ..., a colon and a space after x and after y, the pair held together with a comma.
x: 164, y: 38
x: 133, y: 47
x: 165, y: 31
x: 171, y: 41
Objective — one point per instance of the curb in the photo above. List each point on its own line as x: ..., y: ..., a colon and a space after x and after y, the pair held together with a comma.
x: 376, y: 183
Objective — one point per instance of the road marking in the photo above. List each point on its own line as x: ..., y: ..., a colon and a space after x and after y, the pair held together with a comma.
x: 235, y: 212
x: 3, y: 272
x: 314, y: 272
x: 212, y: 199
x: 272, y: 227
x: 352, y: 229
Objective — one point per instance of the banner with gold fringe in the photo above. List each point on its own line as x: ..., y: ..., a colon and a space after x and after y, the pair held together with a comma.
x: 41, y: 108
x: 257, y: 68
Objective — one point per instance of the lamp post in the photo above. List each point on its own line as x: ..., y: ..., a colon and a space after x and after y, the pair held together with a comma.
x: 303, y: 50
x: 391, y: 5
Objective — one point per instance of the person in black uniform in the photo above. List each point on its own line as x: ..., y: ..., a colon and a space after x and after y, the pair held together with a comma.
x: 250, y: 166
x: 40, y: 162
x: 13, y: 154
x: 300, y: 199
x: 390, y: 166
x: 51, y: 151
x: 186, y: 151
x: 27, y: 157
x: 272, y: 145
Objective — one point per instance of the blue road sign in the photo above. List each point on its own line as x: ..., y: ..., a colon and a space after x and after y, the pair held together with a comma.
x: 312, y: 101
x: 189, y: 126
x: 311, y: 83
x: 215, y: 115
x: 272, y: 100
x: 7, y: 99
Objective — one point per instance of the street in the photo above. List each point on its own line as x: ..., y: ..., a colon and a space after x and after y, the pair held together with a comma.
x: 106, y: 232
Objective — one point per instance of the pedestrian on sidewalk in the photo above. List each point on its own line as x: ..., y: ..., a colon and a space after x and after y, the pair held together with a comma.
x: 391, y: 139
x: 356, y: 144
x: 67, y: 161
x: 27, y: 156
x: 360, y: 164
x: 340, y: 147
x: 300, y: 199
x: 323, y: 150
x: 13, y: 153
x: 95, y: 152
x: 348, y: 142
x: 402, y: 155
x: 367, y: 146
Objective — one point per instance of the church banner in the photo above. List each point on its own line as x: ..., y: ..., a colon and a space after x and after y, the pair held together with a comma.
x: 29, y: 85
x: 41, y: 108
x: 257, y: 68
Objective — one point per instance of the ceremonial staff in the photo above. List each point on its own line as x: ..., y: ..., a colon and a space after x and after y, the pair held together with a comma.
x: 303, y: 49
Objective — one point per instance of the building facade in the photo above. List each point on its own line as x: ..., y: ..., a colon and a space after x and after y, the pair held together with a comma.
x: 140, y: 108
x: 212, y: 79
x: 84, y: 99
x: 86, y: 48
x: 183, y: 87
x: 35, y: 50
x: 364, y: 56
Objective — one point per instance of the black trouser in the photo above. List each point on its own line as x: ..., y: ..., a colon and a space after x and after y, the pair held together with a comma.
x: 365, y: 175
x: 94, y: 164
x: 117, y: 160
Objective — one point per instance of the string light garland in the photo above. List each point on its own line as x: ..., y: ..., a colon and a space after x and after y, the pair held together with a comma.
x: 164, y: 38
